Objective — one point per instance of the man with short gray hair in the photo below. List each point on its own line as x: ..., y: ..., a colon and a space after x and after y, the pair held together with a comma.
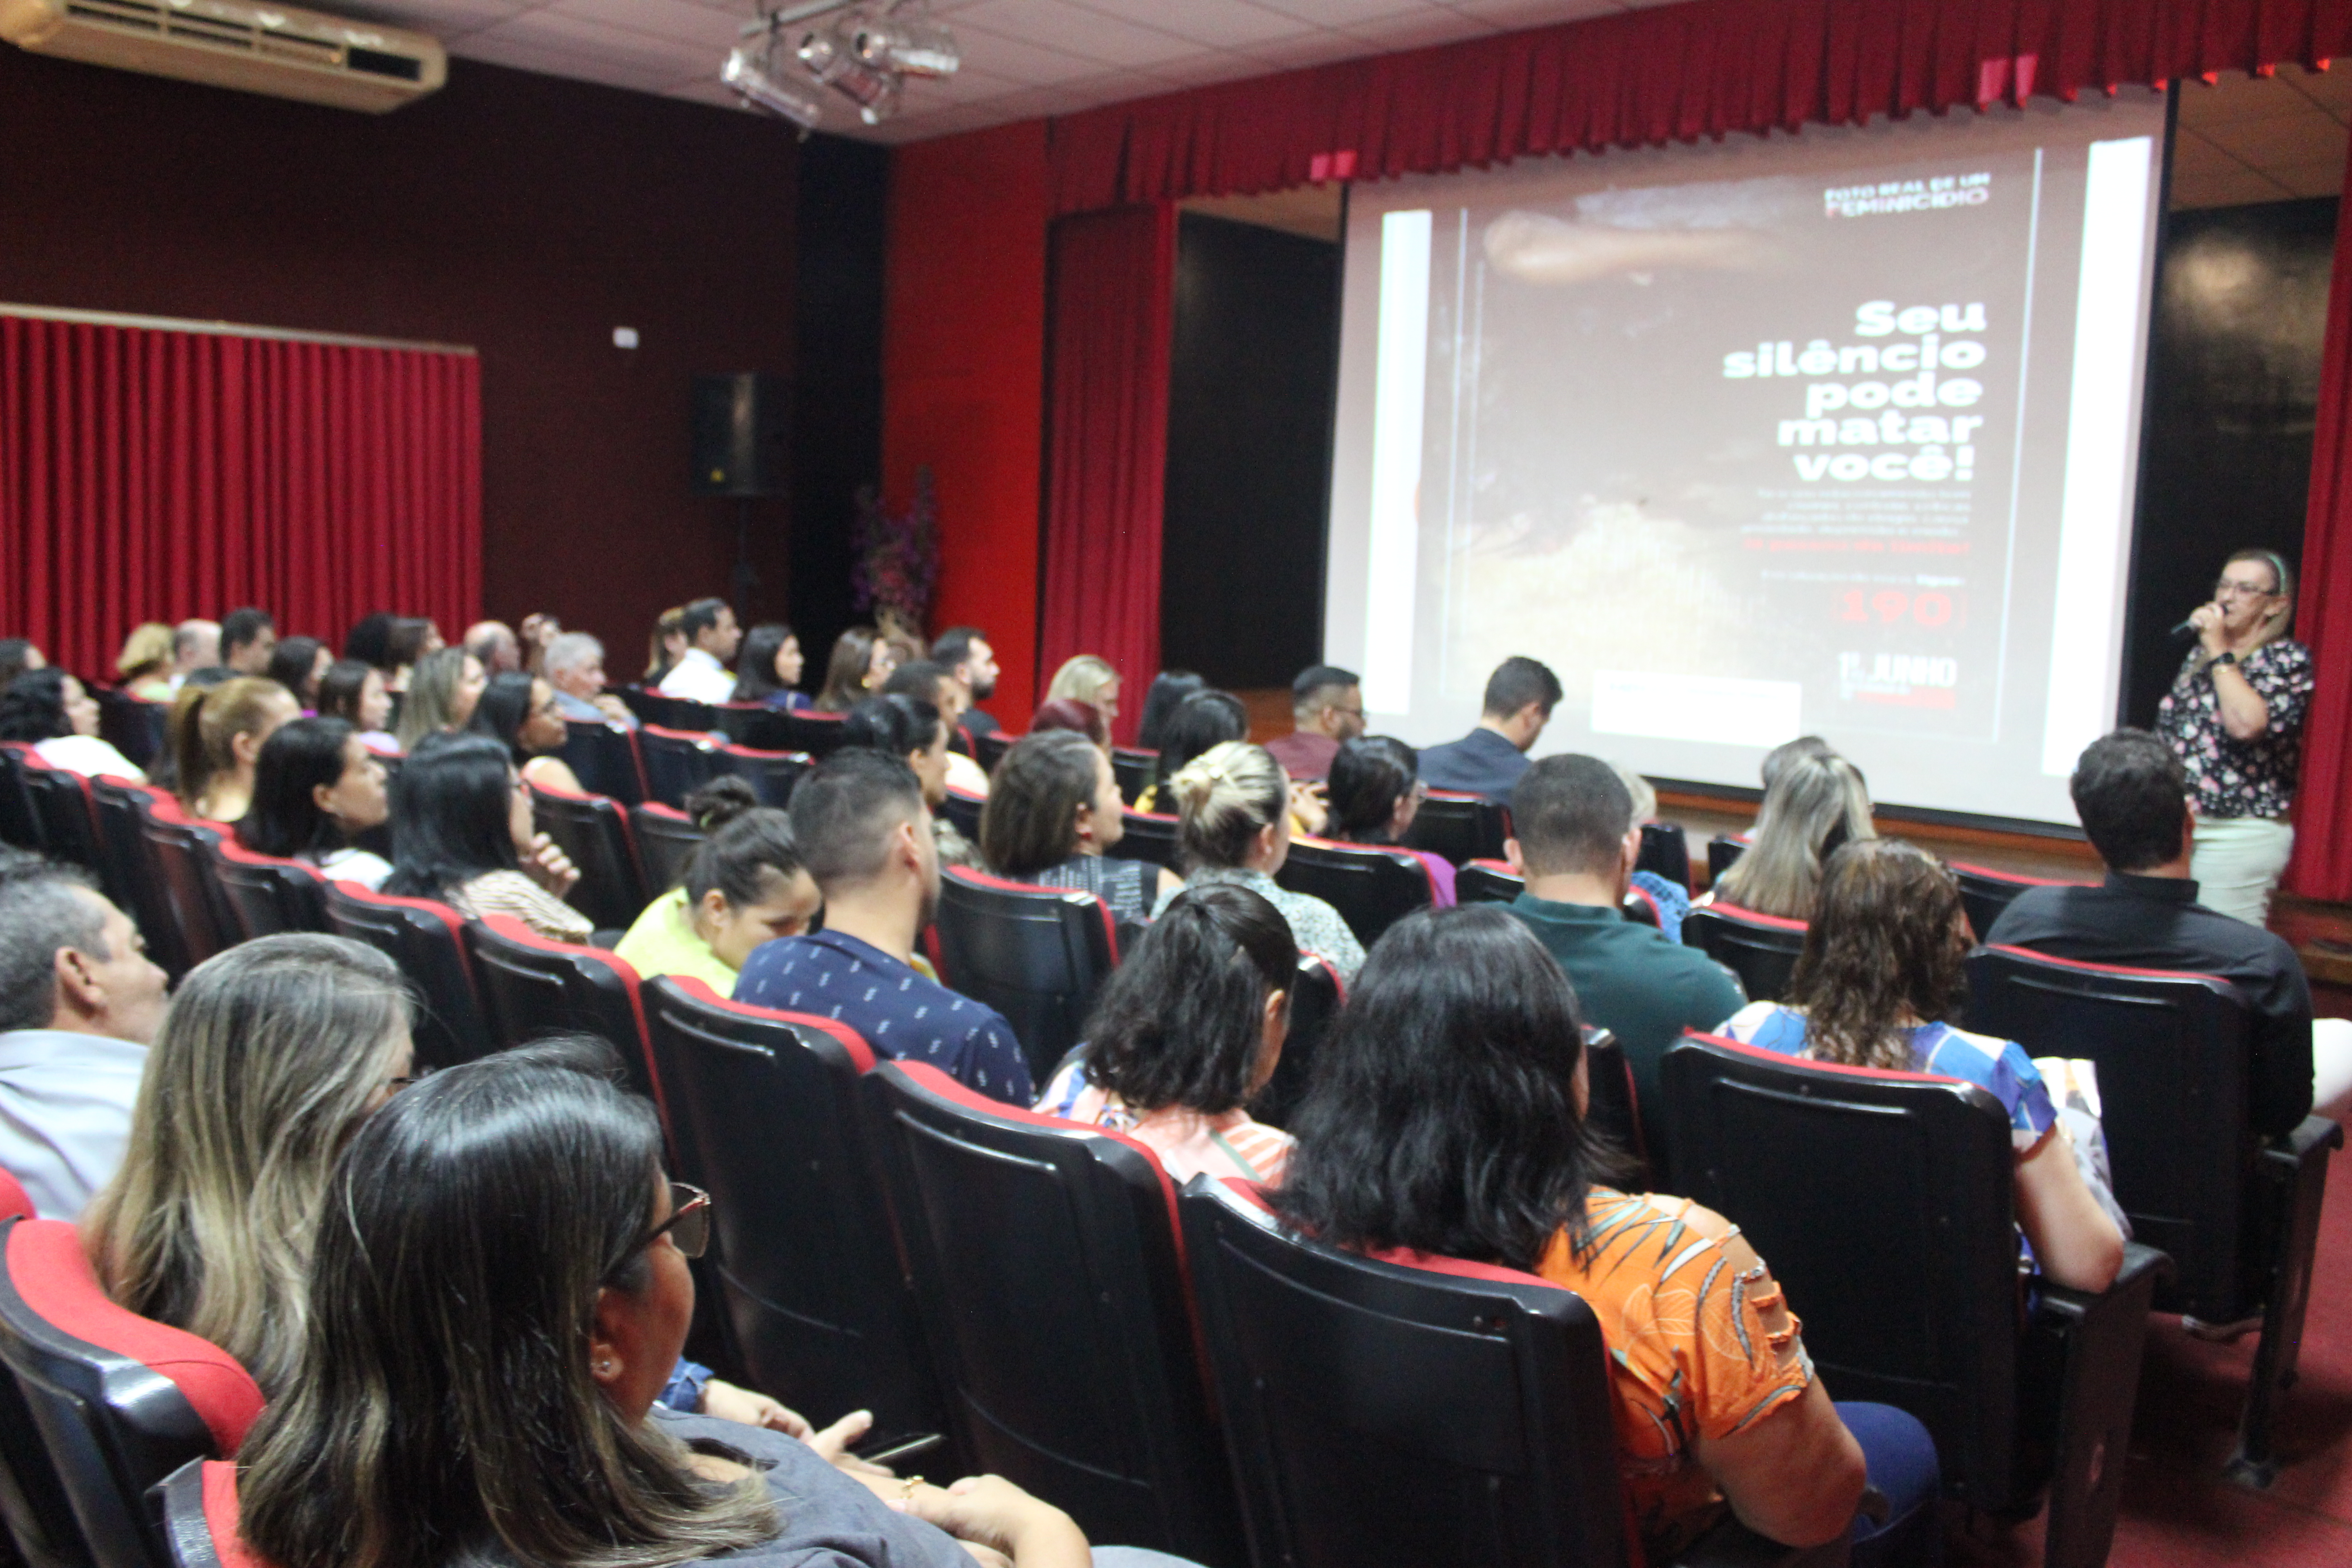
x: 79, y: 1002
x: 574, y: 665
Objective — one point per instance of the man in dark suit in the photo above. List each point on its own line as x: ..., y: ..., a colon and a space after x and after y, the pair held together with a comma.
x: 1488, y: 761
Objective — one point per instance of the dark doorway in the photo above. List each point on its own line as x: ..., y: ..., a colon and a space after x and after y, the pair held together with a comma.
x: 1252, y: 379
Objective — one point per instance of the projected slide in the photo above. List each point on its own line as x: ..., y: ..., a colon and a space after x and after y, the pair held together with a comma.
x: 1830, y: 433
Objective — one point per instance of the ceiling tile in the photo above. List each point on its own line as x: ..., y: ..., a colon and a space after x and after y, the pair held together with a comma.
x: 1018, y: 60
x: 445, y: 20
x: 2309, y: 137
x: 2193, y: 153
x: 675, y: 20
x: 1317, y: 48
x: 550, y: 62
x: 1222, y: 23
x: 1517, y: 15
x: 1434, y: 24
x: 1349, y: 13
x: 1202, y: 69
x: 1073, y: 29
x: 2331, y: 89
x: 2321, y: 179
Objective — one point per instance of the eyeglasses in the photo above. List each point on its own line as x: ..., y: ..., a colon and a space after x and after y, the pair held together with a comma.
x: 2226, y: 589
x: 688, y: 1226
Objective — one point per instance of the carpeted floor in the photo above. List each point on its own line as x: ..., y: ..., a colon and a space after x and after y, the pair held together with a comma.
x: 2179, y: 1510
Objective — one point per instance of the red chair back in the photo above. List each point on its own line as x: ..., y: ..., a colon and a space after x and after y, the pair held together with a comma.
x: 1038, y: 956
x: 532, y: 987
x: 264, y: 894
x: 426, y: 940
x: 1760, y: 949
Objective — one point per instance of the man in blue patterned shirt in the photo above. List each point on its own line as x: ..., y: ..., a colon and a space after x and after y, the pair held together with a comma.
x: 865, y: 836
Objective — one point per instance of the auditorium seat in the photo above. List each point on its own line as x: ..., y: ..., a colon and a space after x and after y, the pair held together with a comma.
x: 678, y: 761
x: 962, y: 808
x: 1884, y: 1203
x: 267, y: 895
x: 1146, y: 836
x: 2240, y: 1219
x: 427, y: 941
x: 200, y: 1516
x: 1760, y: 949
x: 18, y: 825
x: 594, y: 830
x: 806, y: 732
x: 764, y: 1113
x: 1315, y: 998
x: 62, y: 810
x: 131, y: 726
x: 1615, y: 1106
x: 1665, y: 851
x: 1038, y: 956
x: 1642, y: 909
x: 1049, y: 1277
x: 1372, y: 887
x: 603, y: 757
x: 664, y: 838
x: 1135, y: 769
x: 989, y: 749
x: 98, y: 1406
x: 1461, y: 827
x: 177, y: 850
x: 532, y: 987
x: 1487, y: 882
x: 13, y: 1202
x: 773, y: 775
x: 1985, y: 892
x: 129, y: 875
x: 1410, y: 1408
x: 1721, y: 851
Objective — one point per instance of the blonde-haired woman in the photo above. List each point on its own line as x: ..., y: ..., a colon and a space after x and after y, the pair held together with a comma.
x: 144, y: 665
x: 443, y: 691
x: 1233, y: 812
x: 1087, y: 678
x: 1816, y: 804
x: 217, y: 733
x: 269, y: 1057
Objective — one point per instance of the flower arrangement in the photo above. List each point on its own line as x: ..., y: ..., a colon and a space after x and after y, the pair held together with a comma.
x: 898, y: 558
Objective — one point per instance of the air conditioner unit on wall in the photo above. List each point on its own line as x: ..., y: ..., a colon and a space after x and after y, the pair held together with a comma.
x: 272, y: 49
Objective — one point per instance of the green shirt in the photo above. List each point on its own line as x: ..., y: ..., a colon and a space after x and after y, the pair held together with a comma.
x: 1639, y: 987
x: 663, y: 942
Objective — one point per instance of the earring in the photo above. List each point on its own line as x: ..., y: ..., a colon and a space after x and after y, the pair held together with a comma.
x: 605, y: 1368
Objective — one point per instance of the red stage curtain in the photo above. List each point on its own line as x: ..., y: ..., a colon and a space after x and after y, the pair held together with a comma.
x: 1708, y: 68
x: 2322, y: 867
x: 151, y: 475
x: 1110, y: 318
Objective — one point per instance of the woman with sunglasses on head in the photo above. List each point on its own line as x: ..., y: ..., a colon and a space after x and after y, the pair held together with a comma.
x: 2235, y: 717
x: 493, y: 1399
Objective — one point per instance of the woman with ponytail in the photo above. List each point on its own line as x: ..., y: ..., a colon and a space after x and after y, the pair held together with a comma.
x: 744, y: 885
x: 217, y: 733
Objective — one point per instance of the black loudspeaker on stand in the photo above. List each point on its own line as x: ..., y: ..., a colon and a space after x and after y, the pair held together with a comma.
x: 738, y: 450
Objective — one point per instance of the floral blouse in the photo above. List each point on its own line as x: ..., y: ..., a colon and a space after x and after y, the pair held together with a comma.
x: 2241, y: 778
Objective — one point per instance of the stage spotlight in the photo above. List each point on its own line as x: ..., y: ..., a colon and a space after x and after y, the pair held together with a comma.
x: 827, y: 54
x: 904, y: 38
x: 747, y: 72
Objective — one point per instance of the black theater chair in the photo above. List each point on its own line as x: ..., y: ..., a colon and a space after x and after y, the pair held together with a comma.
x: 2240, y: 1217
x: 178, y: 852
x: 678, y: 761
x: 1135, y: 769
x: 594, y: 830
x: 1614, y: 1109
x: 532, y: 987
x: 963, y: 809
x: 130, y: 874
x: 427, y: 941
x: 1147, y: 836
x: 772, y: 776
x: 1721, y: 851
x: 1314, y: 998
x: 1487, y: 882
x: 1371, y: 888
x: 1665, y: 851
x: 989, y: 749
x: 665, y: 838
x: 1985, y: 892
x: 62, y: 805
x: 1884, y: 1201
x: 1760, y: 949
x: 266, y: 895
x: 1419, y: 1410
x: 98, y: 1406
x: 131, y: 726
x: 603, y: 757
x: 1461, y: 827
x: 807, y: 731
x: 18, y: 825
x: 1038, y: 956
x: 764, y: 1112
x: 1050, y: 1281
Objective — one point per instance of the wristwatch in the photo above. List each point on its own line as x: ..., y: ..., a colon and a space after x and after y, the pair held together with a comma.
x: 2224, y: 656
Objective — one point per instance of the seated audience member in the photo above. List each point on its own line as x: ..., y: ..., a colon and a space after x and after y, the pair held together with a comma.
x: 195, y: 644
x: 1185, y: 1031
x: 50, y: 709
x: 443, y: 690
x: 1488, y: 761
x: 666, y: 645
x: 412, y: 640
x: 544, y: 1271
x: 905, y: 646
x: 1787, y: 752
x: 1234, y: 826
x: 1327, y: 707
x: 19, y: 655
x: 538, y: 629
x: 771, y: 668
x: 298, y: 664
x: 217, y: 733
x: 1879, y: 974
x: 864, y: 834
x: 80, y: 1000
x: 370, y: 639
x: 1168, y: 688
x: 354, y: 692
x: 1087, y: 678
x: 144, y: 668
x: 911, y: 729
x: 1079, y: 718
x: 1576, y: 848
x: 248, y: 641
x: 964, y: 653
x: 1054, y: 811
x: 932, y: 683
x: 1814, y: 805
x: 860, y: 664
x: 1671, y: 900
x: 744, y: 884
x: 574, y: 665
x: 316, y: 788
x: 462, y: 833
x: 493, y: 643
x: 711, y: 638
x: 269, y: 1056
x: 519, y: 710
x: 1202, y: 720
x: 2132, y: 794
x: 1370, y: 796
x: 1461, y: 1044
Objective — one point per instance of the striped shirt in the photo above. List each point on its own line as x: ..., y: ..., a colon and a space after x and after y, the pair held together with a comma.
x: 1188, y: 1142
x: 512, y: 893
x: 1999, y: 1068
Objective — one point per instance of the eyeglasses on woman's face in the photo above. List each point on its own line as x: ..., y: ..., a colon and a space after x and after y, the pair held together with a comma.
x: 688, y: 1226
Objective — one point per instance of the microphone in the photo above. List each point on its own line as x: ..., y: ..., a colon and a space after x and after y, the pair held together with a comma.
x: 2182, y: 632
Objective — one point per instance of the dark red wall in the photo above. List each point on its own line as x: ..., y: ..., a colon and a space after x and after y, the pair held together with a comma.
x: 523, y: 215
